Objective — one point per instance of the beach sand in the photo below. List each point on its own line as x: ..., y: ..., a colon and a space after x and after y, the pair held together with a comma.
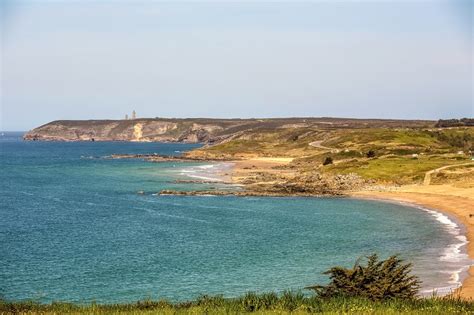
x: 243, y: 168
x: 455, y: 200
x: 451, y: 200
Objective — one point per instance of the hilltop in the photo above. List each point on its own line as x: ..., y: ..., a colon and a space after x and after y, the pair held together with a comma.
x: 427, y: 163
x: 300, y: 155
x: 194, y: 130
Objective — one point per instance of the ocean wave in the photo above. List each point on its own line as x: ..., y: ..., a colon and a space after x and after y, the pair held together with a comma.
x: 206, y: 172
x: 207, y: 178
x: 26, y: 193
x: 454, y: 254
x: 179, y: 217
x: 453, y: 284
x: 205, y: 167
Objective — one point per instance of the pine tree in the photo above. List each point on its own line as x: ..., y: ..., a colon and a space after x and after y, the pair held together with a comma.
x: 378, y: 280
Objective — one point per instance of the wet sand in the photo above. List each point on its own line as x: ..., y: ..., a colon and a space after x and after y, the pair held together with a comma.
x: 455, y: 201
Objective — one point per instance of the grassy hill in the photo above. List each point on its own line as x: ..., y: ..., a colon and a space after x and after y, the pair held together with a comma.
x: 397, y: 155
x: 385, y: 151
x: 204, y: 130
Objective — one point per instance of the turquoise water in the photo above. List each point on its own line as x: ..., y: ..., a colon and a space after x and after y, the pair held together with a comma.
x: 73, y: 228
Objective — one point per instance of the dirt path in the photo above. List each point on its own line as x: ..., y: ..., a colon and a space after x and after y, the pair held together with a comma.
x: 317, y: 144
x: 427, y: 179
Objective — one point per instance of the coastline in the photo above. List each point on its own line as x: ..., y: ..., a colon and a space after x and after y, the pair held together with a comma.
x: 456, y: 206
x: 452, y: 201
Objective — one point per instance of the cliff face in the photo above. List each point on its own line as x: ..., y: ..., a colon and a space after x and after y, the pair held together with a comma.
x: 126, y: 130
x: 190, y: 130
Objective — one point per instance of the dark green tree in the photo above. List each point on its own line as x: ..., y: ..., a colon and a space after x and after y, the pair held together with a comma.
x: 328, y: 160
x: 377, y: 280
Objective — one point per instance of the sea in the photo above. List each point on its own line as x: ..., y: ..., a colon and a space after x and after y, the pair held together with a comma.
x: 78, y: 226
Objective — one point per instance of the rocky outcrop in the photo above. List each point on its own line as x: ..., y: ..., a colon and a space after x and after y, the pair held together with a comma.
x: 192, y: 130
x: 161, y: 158
x: 239, y: 193
x: 197, y: 130
x: 312, y: 185
x: 144, y: 130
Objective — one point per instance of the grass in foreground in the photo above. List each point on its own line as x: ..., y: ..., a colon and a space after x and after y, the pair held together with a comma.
x: 376, y: 287
x: 266, y: 303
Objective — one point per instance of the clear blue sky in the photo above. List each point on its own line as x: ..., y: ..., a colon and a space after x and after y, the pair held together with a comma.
x: 381, y: 59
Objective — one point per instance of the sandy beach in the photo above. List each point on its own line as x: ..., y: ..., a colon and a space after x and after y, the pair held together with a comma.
x: 455, y: 201
x: 243, y: 168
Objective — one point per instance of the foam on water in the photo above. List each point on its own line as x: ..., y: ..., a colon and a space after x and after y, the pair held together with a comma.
x: 80, y: 219
x: 454, y: 256
x: 206, y: 172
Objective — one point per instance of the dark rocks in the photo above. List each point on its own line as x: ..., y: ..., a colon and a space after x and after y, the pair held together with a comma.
x: 200, y: 182
x: 164, y: 158
x: 239, y: 193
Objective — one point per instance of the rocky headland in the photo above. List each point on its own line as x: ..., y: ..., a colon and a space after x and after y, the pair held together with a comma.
x: 191, y: 130
x: 413, y: 161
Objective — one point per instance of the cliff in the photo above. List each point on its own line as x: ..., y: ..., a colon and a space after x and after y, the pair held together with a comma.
x: 163, y: 130
x: 192, y: 130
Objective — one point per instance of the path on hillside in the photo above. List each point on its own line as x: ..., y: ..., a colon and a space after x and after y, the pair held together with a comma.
x: 317, y: 144
x: 427, y: 179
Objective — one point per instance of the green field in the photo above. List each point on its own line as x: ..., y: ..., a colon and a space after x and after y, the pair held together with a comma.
x: 394, y: 169
x: 400, y: 155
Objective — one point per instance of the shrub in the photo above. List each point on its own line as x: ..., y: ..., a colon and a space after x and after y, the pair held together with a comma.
x: 251, y: 302
x: 291, y: 300
x: 442, y: 123
x: 328, y: 160
x: 378, y: 280
x: 209, y: 302
x: 371, y: 154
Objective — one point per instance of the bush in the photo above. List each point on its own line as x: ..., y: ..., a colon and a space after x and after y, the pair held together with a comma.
x: 378, y: 280
x: 442, y: 123
x: 371, y: 154
x: 328, y: 160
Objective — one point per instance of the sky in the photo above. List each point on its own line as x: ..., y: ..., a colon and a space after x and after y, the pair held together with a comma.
x: 362, y: 59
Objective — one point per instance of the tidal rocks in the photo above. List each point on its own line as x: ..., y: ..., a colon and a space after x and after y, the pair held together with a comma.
x: 243, y: 193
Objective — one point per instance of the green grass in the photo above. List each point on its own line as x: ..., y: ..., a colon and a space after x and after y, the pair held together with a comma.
x: 266, y: 303
x: 404, y: 141
x: 393, y: 168
x: 275, y: 142
x: 393, y: 147
x: 295, y: 142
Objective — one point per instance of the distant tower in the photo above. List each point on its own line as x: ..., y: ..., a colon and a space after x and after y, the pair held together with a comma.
x: 134, y: 115
x: 126, y: 116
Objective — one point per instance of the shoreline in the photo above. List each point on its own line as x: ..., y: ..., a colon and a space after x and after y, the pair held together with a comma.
x: 455, y: 203
x: 452, y: 223
x: 449, y: 205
